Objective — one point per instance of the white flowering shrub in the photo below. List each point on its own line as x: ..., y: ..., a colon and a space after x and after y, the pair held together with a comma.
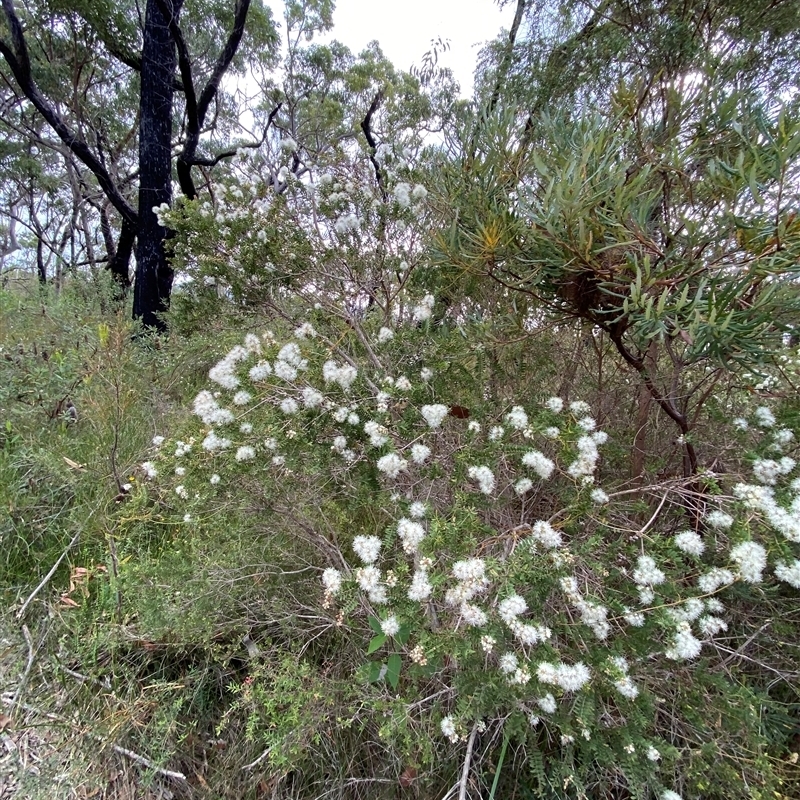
x: 502, y: 585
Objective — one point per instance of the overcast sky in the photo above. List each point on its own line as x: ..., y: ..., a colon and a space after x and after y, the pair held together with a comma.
x: 405, y: 28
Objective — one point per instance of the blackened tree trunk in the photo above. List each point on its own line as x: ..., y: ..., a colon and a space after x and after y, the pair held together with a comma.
x: 153, y: 273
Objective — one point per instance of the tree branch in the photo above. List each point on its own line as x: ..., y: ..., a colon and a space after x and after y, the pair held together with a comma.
x: 18, y: 60
x: 196, y: 110
x: 366, y: 126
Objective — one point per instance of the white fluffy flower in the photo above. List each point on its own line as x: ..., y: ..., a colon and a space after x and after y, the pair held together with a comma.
x: 472, y: 615
x: 554, y: 404
x: 646, y: 572
x: 260, y: 371
x: 392, y: 464
x: 377, y: 433
x: 285, y: 371
x: 752, y: 560
x: 424, y: 309
x: 332, y: 580
x: 718, y: 519
x: 417, y: 510
x: 390, y: 626
x: 245, y: 453
x: 420, y: 453
x: 367, y: 548
x: 343, y: 374
x: 289, y: 405
x: 599, y: 496
x: 511, y: 607
x: 572, y: 677
x: 789, y: 573
x: 634, y: 618
x: 212, y: 442
x: 508, y: 663
x: 149, y: 469
x: 684, y: 644
x: 411, y: 534
x: 690, y: 542
x: 484, y: 477
x: 713, y: 579
x: 434, y: 414
x: 449, y: 729
x: 420, y: 588
x: 312, y: 398
x: 547, y: 704
x: 517, y: 418
x: 764, y: 417
x: 546, y: 534
x: 305, y: 331
x: 385, y: 335
x: 539, y: 463
x: 523, y: 485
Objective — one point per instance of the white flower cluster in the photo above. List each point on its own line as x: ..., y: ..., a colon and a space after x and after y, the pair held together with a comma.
x: 367, y: 548
x: 584, y: 465
x: 540, y: 464
x: 484, y: 478
x: 434, y: 414
x: 411, y: 534
x: 472, y: 580
x: 592, y: 614
x: 570, y: 677
x: 208, y: 409
x: 343, y: 375
x: 751, y: 558
x: 424, y: 309
x: 689, y: 542
x: 546, y: 535
x: 623, y: 682
x: 224, y: 371
x: 517, y: 418
x: 392, y: 464
x: 377, y: 433
x: 767, y: 471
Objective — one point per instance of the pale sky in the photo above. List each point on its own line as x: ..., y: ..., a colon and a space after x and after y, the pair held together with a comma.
x: 404, y: 29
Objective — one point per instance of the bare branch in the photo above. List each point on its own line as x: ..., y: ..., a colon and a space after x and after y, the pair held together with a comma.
x: 19, y: 61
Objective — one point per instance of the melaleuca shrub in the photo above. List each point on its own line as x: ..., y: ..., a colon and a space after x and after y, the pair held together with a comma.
x: 494, y: 571
x: 263, y: 230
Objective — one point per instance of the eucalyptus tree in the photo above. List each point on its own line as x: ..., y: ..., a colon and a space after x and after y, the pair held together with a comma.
x: 134, y: 67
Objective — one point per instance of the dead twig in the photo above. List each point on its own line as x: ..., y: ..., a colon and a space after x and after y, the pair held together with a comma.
x: 49, y: 575
x: 145, y: 762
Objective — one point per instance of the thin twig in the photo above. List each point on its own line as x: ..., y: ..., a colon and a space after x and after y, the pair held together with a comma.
x: 167, y: 773
x: 31, y: 655
x: 462, y: 792
x: 49, y: 575
x: 258, y: 760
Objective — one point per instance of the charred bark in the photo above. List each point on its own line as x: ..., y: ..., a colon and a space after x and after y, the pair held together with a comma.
x: 153, y: 283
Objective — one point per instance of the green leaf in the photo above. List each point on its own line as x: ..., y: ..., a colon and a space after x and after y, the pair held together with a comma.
x: 375, y: 624
x: 393, y: 672
x: 376, y: 642
x: 376, y: 671
x: 403, y: 634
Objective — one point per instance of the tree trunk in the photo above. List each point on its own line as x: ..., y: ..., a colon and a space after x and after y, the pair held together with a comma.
x: 153, y: 273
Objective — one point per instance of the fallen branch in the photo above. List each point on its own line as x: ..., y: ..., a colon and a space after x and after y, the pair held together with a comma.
x: 49, y: 575
x: 31, y: 655
x: 462, y: 791
x: 145, y: 762
x: 258, y: 760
